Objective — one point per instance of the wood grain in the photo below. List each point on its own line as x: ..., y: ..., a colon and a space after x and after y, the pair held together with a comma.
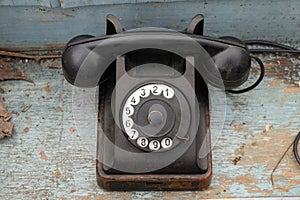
x: 55, y: 157
x: 42, y: 27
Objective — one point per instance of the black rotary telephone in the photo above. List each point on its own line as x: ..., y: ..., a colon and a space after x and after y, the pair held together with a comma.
x: 153, y: 101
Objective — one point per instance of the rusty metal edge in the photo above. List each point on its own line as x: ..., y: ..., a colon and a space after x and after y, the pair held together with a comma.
x: 159, y: 182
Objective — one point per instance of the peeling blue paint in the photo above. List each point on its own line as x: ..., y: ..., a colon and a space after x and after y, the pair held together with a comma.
x: 239, y: 190
x: 32, y: 27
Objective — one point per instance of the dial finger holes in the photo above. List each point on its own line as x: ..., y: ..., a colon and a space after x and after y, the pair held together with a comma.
x: 168, y: 92
x: 142, y: 142
x: 156, y: 89
x: 134, y: 99
x: 132, y: 117
x: 128, y: 110
x: 154, y: 145
x: 133, y: 134
x: 145, y: 91
x: 166, y: 143
x: 128, y: 123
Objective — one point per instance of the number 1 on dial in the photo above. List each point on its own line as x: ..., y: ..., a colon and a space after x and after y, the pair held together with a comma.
x: 168, y: 93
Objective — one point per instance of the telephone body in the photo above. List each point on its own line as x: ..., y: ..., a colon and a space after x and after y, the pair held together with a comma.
x: 153, y: 104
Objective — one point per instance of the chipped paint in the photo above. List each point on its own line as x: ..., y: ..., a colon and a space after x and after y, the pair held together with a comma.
x: 292, y: 89
x: 32, y: 176
x: 275, y: 83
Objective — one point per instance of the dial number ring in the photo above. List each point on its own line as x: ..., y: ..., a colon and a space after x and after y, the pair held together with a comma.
x: 128, y: 111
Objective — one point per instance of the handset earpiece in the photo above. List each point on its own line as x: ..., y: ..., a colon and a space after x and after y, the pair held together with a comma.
x: 234, y: 66
x: 73, y: 57
x: 231, y: 57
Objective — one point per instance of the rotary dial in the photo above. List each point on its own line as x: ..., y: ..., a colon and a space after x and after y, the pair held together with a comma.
x: 148, y: 117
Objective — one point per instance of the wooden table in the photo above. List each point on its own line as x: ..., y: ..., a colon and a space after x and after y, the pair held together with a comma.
x: 52, y: 152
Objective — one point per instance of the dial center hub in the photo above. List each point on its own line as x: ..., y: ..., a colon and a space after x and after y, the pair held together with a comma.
x: 155, y: 118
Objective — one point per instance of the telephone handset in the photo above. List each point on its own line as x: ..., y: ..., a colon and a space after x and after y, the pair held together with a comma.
x: 153, y: 101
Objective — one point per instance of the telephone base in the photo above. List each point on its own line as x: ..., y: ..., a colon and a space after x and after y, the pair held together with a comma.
x: 158, y: 182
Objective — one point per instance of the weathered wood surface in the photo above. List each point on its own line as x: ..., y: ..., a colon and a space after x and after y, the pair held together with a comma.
x: 73, y: 3
x: 43, y: 27
x: 52, y: 152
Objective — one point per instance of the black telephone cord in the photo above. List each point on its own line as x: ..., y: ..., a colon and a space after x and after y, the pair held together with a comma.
x: 295, y: 149
x: 282, y: 49
x: 274, y: 51
x: 257, y: 82
x: 267, y: 43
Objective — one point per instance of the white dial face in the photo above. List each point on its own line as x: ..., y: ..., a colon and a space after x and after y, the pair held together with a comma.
x: 134, y: 99
x: 142, y: 142
x: 128, y: 110
x: 166, y: 143
x: 156, y: 89
x: 128, y: 123
x: 168, y: 92
x: 133, y: 134
x: 154, y: 145
x: 144, y: 92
